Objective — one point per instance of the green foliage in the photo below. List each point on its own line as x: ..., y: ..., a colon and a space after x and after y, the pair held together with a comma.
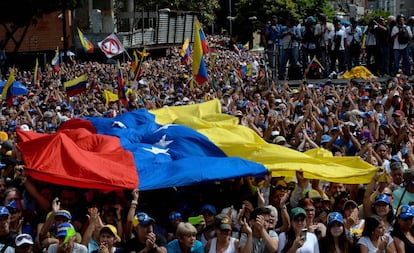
x: 375, y: 14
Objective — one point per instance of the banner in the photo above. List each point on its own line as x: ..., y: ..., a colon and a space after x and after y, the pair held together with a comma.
x: 111, y: 46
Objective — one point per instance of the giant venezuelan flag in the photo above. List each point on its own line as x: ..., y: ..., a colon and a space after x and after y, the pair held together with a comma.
x: 113, y: 152
x: 199, y: 66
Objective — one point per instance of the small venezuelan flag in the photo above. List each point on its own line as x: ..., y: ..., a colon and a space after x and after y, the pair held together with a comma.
x: 76, y: 86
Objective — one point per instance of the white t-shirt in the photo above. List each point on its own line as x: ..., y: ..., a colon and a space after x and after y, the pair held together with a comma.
x: 394, y: 31
x: 353, y: 33
x: 341, y: 33
x: 77, y: 248
x: 310, y: 246
x: 366, y: 241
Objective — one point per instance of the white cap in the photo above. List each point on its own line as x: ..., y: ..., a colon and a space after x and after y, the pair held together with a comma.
x: 24, y: 127
x: 23, y: 239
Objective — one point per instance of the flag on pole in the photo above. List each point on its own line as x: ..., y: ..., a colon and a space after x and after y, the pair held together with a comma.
x: 143, y: 54
x: 76, y: 86
x: 109, y: 96
x: 315, y: 63
x: 121, y: 86
x: 246, y: 46
x: 203, y: 39
x: 199, y: 66
x: 111, y: 46
x: 56, y: 60
x: 135, y: 63
x: 185, y: 52
x: 6, y: 93
x: 86, y: 44
x: 36, y: 74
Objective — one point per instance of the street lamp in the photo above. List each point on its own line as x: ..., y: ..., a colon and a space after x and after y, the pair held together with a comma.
x: 230, y: 18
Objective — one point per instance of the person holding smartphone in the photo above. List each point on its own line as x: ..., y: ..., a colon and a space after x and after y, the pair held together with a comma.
x: 297, y: 238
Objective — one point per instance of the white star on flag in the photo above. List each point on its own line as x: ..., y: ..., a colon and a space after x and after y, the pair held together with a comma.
x: 163, y: 127
x: 163, y: 142
x: 157, y: 151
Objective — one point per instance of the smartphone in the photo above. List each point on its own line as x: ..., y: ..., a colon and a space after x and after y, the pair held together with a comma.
x: 303, y: 233
x: 195, y: 220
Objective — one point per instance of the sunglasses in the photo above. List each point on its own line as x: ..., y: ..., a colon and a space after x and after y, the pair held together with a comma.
x: 175, y: 216
x: 280, y: 187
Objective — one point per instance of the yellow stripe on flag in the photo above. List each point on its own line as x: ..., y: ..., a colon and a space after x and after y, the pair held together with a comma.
x: 7, y: 85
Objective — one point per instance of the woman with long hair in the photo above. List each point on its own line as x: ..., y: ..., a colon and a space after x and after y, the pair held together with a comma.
x: 336, y: 240
x: 403, y: 232
x: 374, y: 239
x: 382, y: 207
x: 297, y: 239
x: 312, y: 225
x: 223, y: 242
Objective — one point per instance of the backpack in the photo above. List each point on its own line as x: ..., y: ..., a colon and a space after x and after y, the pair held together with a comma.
x: 403, y: 38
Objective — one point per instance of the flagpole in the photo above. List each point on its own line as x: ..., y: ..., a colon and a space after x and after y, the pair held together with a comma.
x: 129, y: 57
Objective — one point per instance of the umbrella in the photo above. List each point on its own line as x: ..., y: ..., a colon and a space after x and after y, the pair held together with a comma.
x: 68, y: 53
x: 17, y: 88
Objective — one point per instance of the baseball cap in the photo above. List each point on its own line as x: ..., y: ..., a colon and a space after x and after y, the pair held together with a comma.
x: 23, y: 239
x: 398, y: 113
x: 48, y: 114
x: 143, y: 219
x: 110, y: 229
x: 382, y: 198
x: 405, y: 211
x: 63, y: 229
x: 209, y: 208
x: 279, y: 139
x: 325, y: 138
x: 7, y: 145
x: 64, y: 213
x: 314, y: 195
x: 335, y: 216
x: 4, y: 211
x: 297, y: 211
x: 223, y: 222
x: 350, y: 202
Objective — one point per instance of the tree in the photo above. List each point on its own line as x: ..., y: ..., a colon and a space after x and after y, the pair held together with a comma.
x: 18, y: 14
x: 306, y: 8
x: 377, y: 13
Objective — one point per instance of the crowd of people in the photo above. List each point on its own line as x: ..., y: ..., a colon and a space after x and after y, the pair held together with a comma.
x: 369, y: 119
x: 339, y: 46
